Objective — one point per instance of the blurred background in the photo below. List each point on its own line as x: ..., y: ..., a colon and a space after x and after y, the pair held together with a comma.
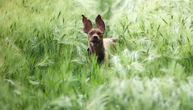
x: 44, y: 62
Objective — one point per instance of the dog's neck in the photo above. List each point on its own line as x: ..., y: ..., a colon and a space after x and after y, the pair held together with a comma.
x: 97, y: 50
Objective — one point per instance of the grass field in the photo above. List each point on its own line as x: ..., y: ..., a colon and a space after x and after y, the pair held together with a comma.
x: 44, y: 63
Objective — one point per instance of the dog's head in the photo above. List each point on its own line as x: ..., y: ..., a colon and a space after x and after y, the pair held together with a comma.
x: 95, y: 35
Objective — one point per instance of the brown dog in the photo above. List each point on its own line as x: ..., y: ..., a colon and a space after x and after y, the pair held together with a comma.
x: 97, y: 45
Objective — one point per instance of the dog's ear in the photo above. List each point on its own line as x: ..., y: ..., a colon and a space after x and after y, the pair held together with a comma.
x: 100, y: 23
x: 87, y: 24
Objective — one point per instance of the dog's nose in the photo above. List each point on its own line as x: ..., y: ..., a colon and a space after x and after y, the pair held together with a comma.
x: 95, y: 37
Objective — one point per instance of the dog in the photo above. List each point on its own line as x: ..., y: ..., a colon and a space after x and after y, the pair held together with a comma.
x: 97, y: 45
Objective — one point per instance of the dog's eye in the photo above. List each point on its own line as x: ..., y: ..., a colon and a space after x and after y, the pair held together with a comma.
x: 99, y: 33
x: 91, y: 33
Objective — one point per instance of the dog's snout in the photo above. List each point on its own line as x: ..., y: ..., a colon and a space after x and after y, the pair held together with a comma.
x: 95, y: 37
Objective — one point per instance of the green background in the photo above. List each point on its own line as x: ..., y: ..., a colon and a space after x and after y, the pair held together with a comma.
x: 44, y: 63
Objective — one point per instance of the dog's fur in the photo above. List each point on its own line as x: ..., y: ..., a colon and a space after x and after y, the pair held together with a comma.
x: 97, y: 45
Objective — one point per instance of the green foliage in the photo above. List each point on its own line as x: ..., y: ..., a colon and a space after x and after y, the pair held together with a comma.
x: 44, y: 62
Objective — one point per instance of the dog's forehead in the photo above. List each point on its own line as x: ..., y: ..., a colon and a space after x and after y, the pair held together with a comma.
x: 95, y: 30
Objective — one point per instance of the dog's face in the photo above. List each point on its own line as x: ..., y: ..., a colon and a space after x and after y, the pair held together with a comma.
x: 95, y: 35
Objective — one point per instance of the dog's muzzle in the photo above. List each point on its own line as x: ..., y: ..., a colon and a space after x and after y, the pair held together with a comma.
x: 95, y: 40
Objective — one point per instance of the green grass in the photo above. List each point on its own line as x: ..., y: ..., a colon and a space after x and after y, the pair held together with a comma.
x: 44, y: 63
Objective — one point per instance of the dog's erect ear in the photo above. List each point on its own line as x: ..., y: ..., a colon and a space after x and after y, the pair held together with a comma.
x: 87, y: 24
x: 100, y: 23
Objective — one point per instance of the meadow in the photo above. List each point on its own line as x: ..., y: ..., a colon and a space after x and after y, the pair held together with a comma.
x: 44, y: 61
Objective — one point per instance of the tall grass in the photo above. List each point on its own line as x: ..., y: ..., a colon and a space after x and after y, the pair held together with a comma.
x: 44, y: 62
